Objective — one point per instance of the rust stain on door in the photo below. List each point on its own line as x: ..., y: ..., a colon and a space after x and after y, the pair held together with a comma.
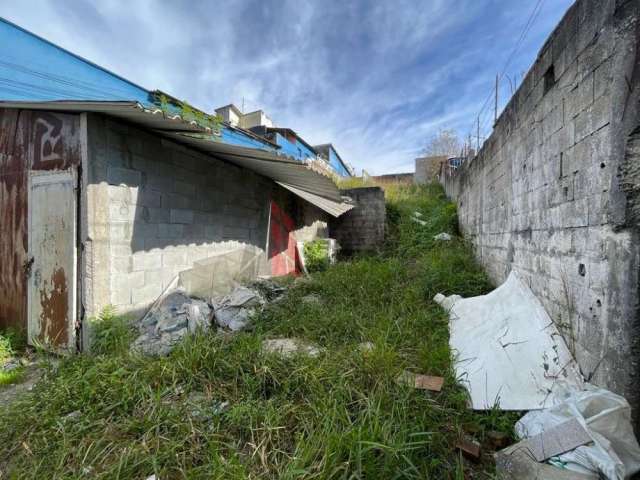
x: 29, y: 140
x: 54, y: 310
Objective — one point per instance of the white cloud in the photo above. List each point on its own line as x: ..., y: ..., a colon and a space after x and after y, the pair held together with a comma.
x: 376, y: 79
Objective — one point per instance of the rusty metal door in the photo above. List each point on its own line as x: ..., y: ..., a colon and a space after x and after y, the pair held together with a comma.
x: 52, y: 259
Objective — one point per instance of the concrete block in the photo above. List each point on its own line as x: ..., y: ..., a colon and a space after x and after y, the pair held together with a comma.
x: 181, y: 216
x: 174, y: 258
x: 143, y: 261
x: 170, y: 230
x: 123, y: 176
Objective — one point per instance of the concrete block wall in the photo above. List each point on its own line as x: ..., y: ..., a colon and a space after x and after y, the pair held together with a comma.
x: 427, y: 168
x: 363, y: 227
x: 156, y: 207
x: 544, y: 196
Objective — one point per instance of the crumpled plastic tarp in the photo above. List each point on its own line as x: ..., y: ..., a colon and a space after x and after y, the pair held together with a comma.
x: 606, y: 416
x: 223, y: 271
x: 509, y: 354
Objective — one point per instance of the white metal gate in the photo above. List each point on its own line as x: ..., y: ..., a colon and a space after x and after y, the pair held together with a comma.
x: 52, y: 259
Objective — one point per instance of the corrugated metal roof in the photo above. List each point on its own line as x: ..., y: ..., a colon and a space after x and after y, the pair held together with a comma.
x: 131, y: 111
x: 333, y: 208
x: 305, y: 177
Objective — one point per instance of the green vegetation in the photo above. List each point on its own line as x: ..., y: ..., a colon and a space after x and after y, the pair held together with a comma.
x: 339, y: 415
x: 316, y: 254
x: 12, y: 342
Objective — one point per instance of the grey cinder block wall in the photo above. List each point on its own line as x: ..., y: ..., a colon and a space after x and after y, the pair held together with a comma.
x: 553, y: 192
x: 363, y: 227
x: 154, y: 208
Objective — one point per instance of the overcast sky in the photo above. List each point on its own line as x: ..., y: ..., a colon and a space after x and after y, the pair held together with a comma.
x: 375, y: 78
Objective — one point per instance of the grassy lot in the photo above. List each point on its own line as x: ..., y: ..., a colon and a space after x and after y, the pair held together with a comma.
x: 340, y: 415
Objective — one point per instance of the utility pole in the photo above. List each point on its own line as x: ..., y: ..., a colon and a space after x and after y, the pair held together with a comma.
x: 495, y: 110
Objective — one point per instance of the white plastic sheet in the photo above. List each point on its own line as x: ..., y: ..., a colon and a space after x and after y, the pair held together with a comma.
x: 509, y: 353
x: 606, y: 417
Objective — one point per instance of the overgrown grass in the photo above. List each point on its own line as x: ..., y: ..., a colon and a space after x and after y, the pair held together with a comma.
x: 340, y: 415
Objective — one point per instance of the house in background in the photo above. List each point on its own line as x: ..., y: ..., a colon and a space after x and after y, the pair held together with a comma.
x: 287, y: 141
x: 110, y: 194
x: 329, y: 154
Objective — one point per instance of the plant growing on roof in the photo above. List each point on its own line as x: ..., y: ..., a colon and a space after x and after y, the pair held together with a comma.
x: 188, y: 113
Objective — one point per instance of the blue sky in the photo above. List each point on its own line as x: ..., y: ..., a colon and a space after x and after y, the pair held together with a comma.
x: 377, y: 79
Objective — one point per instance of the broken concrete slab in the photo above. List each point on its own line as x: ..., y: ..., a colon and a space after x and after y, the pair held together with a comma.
x: 288, y: 347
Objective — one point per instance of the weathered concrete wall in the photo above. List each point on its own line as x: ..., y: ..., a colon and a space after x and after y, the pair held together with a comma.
x: 427, y: 169
x: 363, y: 227
x: 545, y: 194
x: 155, y: 207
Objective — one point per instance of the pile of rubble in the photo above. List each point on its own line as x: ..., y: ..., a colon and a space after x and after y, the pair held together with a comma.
x: 176, y: 314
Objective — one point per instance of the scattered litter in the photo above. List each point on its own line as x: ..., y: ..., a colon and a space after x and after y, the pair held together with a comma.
x: 72, y: 415
x: 469, y: 447
x: 442, y: 237
x: 288, y: 347
x: 417, y: 214
x: 422, y: 382
x: 515, y: 463
x: 446, y: 302
x: 153, y: 477
x: 312, y: 298
x: 11, y: 365
x: 494, y: 333
x: 235, y: 310
x: 605, y: 416
x: 169, y: 320
x: 417, y: 220
x: 220, y: 407
x: 366, y: 347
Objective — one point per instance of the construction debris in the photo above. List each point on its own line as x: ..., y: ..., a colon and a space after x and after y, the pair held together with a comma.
x: 508, y: 351
x: 469, y: 447
x: 442, y: 237
x: 606, y: 417
x: 234, y: 311
x: 516, y: 463
x: 422, y: 382
x: 176, y: 314
x: 288, y: 347
x: 557, y: 440
x: 169, y: 321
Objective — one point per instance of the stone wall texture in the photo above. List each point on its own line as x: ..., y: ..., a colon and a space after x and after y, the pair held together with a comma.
x: 428, y: 168
x: 553, y: 192
x: 155, y: 207
x: 363, y: 227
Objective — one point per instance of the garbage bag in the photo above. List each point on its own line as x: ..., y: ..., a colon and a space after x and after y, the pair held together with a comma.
x: 614, y: 453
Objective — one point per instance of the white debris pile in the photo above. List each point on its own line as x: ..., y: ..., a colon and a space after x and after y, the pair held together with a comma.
x: 176, y: 314
x: 510, y: 355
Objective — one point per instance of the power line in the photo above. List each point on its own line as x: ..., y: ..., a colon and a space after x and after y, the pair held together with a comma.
x: 526, y: 29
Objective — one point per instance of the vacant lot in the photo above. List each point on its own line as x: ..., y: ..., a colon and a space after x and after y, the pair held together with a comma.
x: 339, y: 415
